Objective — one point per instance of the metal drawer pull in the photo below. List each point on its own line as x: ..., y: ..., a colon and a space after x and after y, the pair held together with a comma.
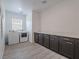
x: 66, y: 39
x: 69, y: 42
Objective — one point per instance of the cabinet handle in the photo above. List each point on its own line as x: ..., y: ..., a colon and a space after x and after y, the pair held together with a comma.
x: 69, y: 42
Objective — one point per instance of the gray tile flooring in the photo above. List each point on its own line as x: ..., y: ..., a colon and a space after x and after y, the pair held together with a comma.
x: 29, y: 50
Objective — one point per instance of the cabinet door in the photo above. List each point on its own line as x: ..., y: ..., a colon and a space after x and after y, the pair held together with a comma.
x: 41, y: 39
x: 46, y: 40
x: 77, y: 49
x: 54, y: 43
x: 67, y: 47
x: 36, y: 37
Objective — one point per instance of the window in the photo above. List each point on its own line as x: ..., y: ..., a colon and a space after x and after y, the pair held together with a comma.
x: 16, y: 24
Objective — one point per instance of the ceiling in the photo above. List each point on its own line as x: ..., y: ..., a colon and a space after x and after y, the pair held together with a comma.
x: 38, y: 5
x: 28, y: 5
x: 14, y: 5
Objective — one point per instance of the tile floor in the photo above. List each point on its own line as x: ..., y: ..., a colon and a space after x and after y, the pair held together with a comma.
x: 29, y: 50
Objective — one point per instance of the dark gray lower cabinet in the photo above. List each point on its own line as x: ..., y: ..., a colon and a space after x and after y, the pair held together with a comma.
x: 41, y: 39
x: 46, y: 40
x: 77, y: 49
x: 67, y: 47
x: 54, y: 43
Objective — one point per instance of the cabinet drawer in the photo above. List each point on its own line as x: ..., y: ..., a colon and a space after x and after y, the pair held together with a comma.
x: 68, y: 39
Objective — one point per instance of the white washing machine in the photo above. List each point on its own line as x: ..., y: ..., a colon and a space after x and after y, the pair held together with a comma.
x: 23, y: 37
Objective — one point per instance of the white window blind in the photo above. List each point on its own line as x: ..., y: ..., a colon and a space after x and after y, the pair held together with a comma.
x: 16, y: 24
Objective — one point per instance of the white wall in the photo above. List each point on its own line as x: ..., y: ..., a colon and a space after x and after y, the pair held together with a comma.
x: 2, y: 45
x: 36, y: 22
x: 62, y: 19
